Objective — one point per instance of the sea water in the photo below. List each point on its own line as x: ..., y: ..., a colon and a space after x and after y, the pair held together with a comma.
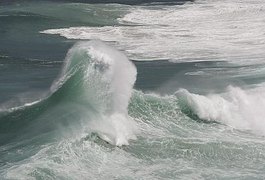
x: 132, y: 89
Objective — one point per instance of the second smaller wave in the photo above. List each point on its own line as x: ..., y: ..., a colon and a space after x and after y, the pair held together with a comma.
x: 238, y: 108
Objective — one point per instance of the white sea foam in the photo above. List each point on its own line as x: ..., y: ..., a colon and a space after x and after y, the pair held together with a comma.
x: 204, y: 30
x: 238, y: 108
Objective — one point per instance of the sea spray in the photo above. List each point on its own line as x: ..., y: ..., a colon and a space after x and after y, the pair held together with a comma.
x: 107, y: 79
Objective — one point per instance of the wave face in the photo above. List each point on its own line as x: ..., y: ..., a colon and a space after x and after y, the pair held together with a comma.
x: 95, y: 84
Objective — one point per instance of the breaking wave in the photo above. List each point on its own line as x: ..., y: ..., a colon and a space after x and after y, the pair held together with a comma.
x: 91, y: 93
x: 237, y: 108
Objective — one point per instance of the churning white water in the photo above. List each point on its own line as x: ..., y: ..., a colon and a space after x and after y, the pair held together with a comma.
x: 238, y: 108
x: 203, y: 30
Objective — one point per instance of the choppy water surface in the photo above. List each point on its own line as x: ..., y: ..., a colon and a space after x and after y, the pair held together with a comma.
x: 132, y: 90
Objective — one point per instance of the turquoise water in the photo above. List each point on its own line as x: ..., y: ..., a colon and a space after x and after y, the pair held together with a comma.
x: 132, y: 91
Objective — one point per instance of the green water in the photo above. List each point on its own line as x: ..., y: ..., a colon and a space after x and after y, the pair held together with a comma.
x: 194, y: 110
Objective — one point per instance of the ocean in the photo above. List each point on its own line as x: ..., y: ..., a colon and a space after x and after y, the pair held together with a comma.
x: 132, y: 89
